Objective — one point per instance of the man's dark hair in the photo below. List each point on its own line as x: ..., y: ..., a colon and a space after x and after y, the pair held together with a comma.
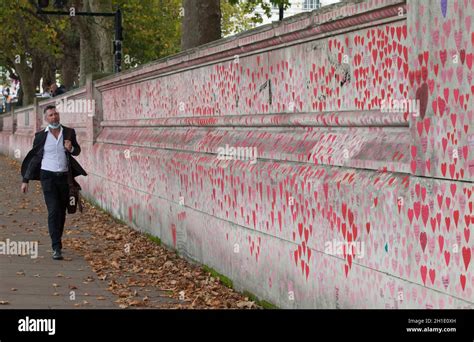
x: 49, y: 107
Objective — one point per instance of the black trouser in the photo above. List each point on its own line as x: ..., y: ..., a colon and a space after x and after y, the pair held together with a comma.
x: 56, y: 194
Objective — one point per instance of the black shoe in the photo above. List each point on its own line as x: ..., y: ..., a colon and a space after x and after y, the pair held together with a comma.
x: 57, y: 255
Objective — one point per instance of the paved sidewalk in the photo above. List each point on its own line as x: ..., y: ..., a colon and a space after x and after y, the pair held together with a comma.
x: 41, y: 283
x: 97, y: 272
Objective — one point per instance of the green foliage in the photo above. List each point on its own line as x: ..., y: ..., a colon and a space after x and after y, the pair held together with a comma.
x: 152, y: 29
x: 153, y: 238
x: 264, y: 4
x: 28, y: 42
x: 263, y: 303
x: 237, y: 17
x: 222, y: 278
x: 24, y: 33
x: 240, y: 15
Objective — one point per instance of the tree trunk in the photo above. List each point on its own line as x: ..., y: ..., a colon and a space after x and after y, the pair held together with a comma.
x: 70, y: 63
x: 49, y: 74
x: 89, y: 59
x: 95, y: 41
x: 69, y: 73
x: 38, y: 64
x: 27, y: 81
x: 104, y: 32
x: 201, y: 23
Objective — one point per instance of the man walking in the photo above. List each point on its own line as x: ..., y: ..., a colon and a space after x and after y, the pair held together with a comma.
x: 48, y: 162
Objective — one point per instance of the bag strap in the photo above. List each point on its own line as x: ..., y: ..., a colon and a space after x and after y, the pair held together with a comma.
x: 70, y: 179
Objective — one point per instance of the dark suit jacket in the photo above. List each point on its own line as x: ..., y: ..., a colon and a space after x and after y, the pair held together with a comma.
x: 31, y: 166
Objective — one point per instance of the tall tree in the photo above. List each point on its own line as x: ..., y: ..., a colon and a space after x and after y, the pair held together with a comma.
x: 202, y: 20
x: 69, y: 63
x: 95, y: 35
x: 151, y: 29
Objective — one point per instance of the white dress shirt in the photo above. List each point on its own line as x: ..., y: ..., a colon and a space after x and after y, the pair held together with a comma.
x: 54, y: 156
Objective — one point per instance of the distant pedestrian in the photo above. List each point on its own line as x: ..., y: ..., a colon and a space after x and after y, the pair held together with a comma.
x: 8, y: 99
x: 47, y: 91
x: 55, y: 90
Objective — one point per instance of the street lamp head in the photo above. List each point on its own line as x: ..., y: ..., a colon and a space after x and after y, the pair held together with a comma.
x: 60, y: 3
x: 43, y: 3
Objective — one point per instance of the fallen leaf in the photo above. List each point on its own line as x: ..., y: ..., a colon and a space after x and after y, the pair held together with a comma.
x: 244, y: 304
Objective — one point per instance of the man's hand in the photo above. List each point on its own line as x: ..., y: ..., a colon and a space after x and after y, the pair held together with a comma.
x: 24, y: 188
x: 68, y: 145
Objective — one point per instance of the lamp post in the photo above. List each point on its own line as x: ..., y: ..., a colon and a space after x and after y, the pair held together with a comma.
x: 117, y: 22
x: 280, y: 10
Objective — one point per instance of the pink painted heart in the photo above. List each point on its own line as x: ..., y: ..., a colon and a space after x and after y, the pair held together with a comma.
x: 447, y: 257
x: 453, y: 189
x: 460, y: 73
x: 425, y: 211
x: 423, y: 240
x: 423, y: 271
x: 456, y: 217
x: 432, y: 273
x: 441, y: 106
x: 469, y: 59
x: 428, y: 165
x: 441, y: 243
x: 433, y: 223
x: 417, y: 209
x: 443, y: 55
x: 447, y: 221
x: 466, y: 255
x: 439, y: 197
x: 410, y: 215
x: 447, y: 28
x: 422, y: 96
x: 444, y: 144
x: 458, y: 38
x: 462, y: 278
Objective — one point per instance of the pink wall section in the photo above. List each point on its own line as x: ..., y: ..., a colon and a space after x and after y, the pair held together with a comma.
x: 441, y: 75
x: 331, y: 167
